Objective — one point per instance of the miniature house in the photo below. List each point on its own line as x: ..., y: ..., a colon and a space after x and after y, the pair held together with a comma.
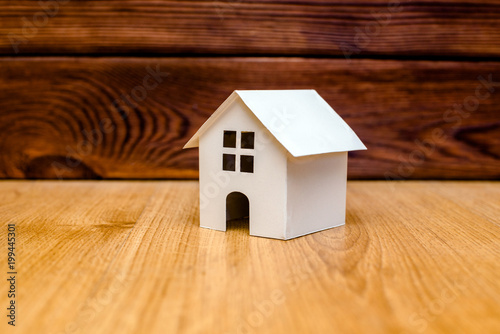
x: 278, y: 157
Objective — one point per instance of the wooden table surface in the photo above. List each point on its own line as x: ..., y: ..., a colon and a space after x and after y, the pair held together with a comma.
x: 129, y: 257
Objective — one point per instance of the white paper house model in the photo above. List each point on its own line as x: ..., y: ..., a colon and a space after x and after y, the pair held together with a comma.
x: 278, y: 157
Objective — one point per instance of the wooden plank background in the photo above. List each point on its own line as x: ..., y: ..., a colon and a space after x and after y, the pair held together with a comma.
x: 408, y: 87
x: 407, y: 28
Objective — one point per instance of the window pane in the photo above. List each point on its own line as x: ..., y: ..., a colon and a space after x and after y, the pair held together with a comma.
x: 247, y: 139
x: 229, y: 138
x: 229, y: 162
x: 246, y: 163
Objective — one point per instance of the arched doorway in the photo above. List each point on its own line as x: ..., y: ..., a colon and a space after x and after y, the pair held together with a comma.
x: 237, y: 210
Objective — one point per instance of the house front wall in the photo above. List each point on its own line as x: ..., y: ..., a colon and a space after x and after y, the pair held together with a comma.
x: 265, y: 188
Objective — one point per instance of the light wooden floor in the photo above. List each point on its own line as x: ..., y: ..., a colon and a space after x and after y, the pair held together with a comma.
x: 129, y: 257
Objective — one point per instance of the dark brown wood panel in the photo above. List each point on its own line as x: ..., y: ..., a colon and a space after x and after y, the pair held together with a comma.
x: 71, y: 118
x: 355, y: 28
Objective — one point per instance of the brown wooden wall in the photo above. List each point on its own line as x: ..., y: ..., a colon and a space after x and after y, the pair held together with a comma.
x: 419, y: 81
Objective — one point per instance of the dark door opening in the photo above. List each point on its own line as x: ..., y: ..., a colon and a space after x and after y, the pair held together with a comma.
x: 237, y: 211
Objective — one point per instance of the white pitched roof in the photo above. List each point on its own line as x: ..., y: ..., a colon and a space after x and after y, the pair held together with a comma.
x: 299, y: 119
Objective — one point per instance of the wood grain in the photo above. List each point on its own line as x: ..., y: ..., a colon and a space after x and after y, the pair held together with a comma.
x: 233, y: 27
x: 129, y: 257
x: 58, y: 116
x: 78, y: 228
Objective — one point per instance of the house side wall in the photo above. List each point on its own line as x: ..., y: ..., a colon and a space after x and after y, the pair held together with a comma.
x: 265, y: 187
x: 316, y: 190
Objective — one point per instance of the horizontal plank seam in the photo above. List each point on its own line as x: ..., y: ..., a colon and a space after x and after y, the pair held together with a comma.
x: 244, y: 56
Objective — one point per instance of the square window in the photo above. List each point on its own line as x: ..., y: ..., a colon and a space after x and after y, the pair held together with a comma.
x: 229, y: 138
x: 246, y: 165
x: 229, y: 162
x: 247, y: 139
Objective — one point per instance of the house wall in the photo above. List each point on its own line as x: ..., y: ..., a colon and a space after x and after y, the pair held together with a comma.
x: 316, y: 193
x: 265, y: 188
